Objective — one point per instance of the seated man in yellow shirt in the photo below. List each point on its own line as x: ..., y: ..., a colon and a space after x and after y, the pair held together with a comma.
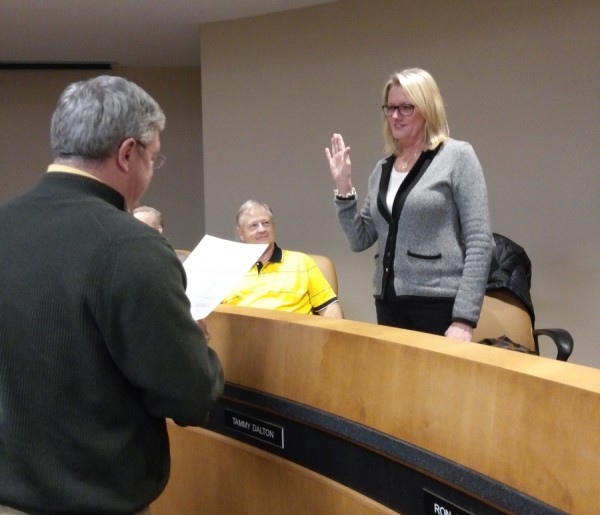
x: 281, y: 279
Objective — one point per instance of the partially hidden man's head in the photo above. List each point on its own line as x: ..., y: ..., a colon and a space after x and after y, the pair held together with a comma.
x: 150, y: 216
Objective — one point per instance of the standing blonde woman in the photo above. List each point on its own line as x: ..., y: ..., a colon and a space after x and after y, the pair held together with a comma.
x: 426, y: 208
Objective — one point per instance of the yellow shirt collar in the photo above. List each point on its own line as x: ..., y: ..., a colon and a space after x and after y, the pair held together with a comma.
x: 69, y: 169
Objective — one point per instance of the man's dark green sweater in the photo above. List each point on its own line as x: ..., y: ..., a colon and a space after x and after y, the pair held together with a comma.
x: 97, y: 348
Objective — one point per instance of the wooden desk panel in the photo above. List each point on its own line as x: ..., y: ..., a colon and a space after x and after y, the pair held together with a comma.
x: 525, y: 421
x: 215, y: 475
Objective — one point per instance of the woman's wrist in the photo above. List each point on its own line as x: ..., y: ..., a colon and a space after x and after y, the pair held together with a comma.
x: 344, y: 194
x: 343, y: 187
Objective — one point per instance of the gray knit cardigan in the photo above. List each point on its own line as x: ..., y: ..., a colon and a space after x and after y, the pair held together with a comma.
x: 443, y: 241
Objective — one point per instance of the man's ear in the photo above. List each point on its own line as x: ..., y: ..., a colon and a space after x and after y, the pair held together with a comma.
x: 124, y: 153
x: 238, y: 229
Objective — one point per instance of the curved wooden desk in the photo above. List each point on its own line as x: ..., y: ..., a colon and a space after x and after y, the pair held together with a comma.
x: 488, y: 430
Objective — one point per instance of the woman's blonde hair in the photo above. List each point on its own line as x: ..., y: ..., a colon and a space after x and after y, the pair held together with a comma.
x: 422, y: 90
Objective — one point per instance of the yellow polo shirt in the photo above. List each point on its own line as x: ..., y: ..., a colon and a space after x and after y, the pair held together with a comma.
x: 290, y: 281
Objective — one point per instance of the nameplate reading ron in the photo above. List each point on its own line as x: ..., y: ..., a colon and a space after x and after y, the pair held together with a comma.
x: 254, y: 427
x: 435, y: 505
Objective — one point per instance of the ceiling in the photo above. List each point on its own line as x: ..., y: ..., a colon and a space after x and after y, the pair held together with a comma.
x: 124, y: 32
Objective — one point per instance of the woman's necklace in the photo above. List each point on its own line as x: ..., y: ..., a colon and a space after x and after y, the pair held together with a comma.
x: 403, y: 163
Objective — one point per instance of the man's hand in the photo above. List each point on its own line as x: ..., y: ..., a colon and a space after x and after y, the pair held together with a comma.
x: 204, y: 329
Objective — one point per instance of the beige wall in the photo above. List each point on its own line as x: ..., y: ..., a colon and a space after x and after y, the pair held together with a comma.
x: 27, y: 99
x: 520, y: 81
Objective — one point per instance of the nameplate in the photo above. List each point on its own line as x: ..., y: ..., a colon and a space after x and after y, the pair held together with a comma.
x: 254, y: 427
x: 434, y: 505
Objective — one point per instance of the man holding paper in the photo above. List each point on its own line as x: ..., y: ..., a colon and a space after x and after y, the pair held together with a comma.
x: 97, y: 343
x: 281, y: 279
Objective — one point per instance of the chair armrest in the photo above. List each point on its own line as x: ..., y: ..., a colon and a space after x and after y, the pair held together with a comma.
x: 561, y: 337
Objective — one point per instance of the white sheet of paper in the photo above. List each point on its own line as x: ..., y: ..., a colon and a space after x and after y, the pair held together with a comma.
x: 213, y: 269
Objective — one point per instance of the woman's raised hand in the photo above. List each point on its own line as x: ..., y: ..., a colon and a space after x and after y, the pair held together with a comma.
x: 339, y: 163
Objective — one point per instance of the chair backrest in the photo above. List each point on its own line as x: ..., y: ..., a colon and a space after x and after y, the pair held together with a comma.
x: 182, y: 254
x: 510, y: 269
x: 503, y: 314
x: 328, y: 268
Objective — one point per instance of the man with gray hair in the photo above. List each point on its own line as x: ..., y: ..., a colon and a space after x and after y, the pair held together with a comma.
x: 97, y: 343
x: 150, y: 216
